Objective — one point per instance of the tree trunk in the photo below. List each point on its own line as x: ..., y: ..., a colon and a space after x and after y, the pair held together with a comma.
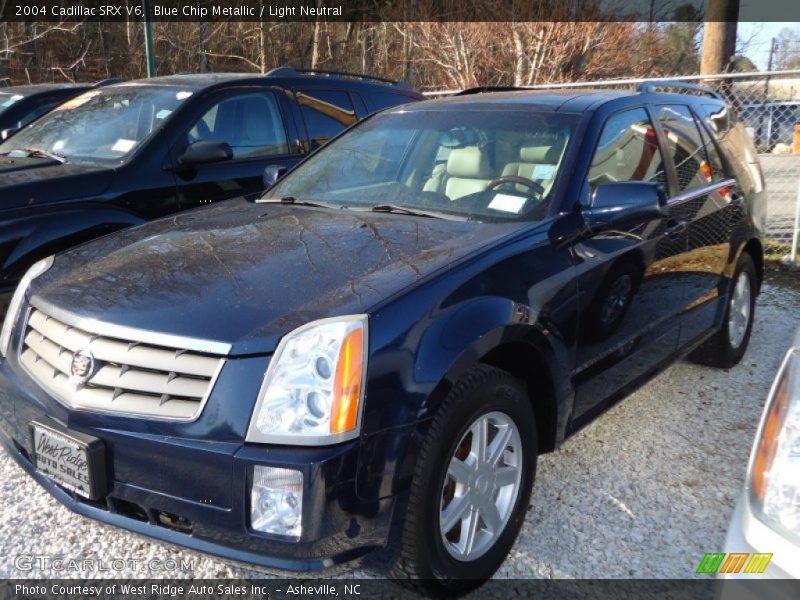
x: 202, y: 30
x: 519, y: 56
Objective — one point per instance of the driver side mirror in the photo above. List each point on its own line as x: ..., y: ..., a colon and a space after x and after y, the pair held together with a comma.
x: 623, y: 204
x: 272, y: 174
x: 206, y: 151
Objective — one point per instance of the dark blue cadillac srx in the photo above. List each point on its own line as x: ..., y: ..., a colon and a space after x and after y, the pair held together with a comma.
x: 374, y: 353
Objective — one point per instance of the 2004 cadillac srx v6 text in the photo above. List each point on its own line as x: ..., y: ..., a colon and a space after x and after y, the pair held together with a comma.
x: 373, y: 354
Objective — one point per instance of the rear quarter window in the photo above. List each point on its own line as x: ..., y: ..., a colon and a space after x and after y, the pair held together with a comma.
x: 734, y: 142
x: 326, y: 113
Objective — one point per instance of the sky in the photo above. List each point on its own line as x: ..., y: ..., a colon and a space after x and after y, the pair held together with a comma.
x: 760, y: 36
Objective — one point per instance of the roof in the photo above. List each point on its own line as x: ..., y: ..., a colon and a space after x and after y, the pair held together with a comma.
x: 194, y: 81
x: 566, y: 100
x: 27, y: 90
x: 198, y: 81
x: 557, y: 100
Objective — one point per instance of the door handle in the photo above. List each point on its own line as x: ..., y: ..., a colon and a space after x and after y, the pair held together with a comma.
x: 675, y: 229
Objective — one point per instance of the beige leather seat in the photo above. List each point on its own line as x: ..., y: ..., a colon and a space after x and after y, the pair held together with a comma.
x: 537, y: 163
x: 467, y: 172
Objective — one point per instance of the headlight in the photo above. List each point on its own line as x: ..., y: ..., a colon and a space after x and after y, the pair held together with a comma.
x: 775, y: 464
x: 16, y: 301
x: 314, y: 386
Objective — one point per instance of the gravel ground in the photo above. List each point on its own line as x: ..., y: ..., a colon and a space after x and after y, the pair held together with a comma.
x: 642, y: 492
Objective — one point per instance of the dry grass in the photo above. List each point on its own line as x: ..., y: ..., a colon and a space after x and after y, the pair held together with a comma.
x: 775, y: 250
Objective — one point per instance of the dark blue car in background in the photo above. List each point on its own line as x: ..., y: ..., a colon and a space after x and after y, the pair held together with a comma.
x: 23, y: 104
x: 120, y: 155
x: 374, y: 353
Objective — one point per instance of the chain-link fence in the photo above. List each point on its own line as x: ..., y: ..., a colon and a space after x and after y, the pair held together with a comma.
x: 769, y: 106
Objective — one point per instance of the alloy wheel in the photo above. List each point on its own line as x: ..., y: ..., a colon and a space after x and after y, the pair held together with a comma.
x: 739, y: 311
x: 481, y: 486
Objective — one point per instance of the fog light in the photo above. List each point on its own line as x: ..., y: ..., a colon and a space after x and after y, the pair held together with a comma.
x: 276, y: 501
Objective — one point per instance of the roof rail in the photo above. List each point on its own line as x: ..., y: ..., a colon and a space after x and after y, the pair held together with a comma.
x: 650, y: 86
x: 290, y: 71
x: 109, y: 81
x: 490, y: 88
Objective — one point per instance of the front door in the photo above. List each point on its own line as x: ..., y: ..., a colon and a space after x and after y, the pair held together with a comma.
x: 252, y: 122
x: 631, y: 287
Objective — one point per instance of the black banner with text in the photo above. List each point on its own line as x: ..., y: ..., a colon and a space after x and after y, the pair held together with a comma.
x: 386, y: 10
x: 252, y: 589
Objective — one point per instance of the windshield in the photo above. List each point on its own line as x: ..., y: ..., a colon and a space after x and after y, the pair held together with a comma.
x: 104, y: 124
x: 7, y: 100
x: 478, y: 164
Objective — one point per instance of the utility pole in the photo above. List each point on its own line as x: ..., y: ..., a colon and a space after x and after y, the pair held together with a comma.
x: 772, y: 50
x: 148, y: 40
x: 765, y: 137
x: 719, y: 36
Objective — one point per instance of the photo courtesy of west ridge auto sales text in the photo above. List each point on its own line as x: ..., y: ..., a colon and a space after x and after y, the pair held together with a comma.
x: 430, y: 299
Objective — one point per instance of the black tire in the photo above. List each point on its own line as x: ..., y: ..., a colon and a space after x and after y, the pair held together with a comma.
x: 718, y: 351
x: 421, y: 560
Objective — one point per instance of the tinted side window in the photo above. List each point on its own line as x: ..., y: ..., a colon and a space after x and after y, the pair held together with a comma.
x: 717, y: 169
x: 326, y: 113
x: 251, y: 123
x: 685, y: 145
x: 379, y: 100
x: 627, y: 151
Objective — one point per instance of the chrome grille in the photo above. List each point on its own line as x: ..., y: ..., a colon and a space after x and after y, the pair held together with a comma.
x: 130, y: 377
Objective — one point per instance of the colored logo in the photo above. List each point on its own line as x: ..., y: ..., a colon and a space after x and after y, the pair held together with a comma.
x: 735, y: 562
x: 82, y: 367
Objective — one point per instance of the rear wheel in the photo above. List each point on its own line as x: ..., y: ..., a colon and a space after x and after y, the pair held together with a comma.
x: 727, y: 347
x: 471, y: 485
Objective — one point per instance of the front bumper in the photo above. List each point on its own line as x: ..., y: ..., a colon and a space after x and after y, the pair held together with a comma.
x: 195, y: 493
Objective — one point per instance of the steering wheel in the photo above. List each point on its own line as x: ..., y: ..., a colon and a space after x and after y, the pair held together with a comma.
x: 536, y: 187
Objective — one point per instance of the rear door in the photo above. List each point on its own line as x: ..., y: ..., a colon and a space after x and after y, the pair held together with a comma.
x: 708, y: 201
x: 253, y: 121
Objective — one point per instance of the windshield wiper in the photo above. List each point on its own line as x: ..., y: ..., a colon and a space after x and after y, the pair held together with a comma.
x: 296, y: 202
x: 416, y: 212
x: 40, y: 153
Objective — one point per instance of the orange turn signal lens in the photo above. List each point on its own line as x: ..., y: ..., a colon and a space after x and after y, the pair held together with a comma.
x: 705, y: 169
x: 768, y: 444
x: 347, y: 382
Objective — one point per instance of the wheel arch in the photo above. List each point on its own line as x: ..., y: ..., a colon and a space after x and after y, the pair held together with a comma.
x: 756, y: 251
x: 527, y: 364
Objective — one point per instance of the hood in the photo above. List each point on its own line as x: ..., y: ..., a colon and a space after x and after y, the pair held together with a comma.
x: 32, y: 181
x: 245, y: 274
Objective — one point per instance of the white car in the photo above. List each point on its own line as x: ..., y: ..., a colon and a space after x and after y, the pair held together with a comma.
x: 767, y: 516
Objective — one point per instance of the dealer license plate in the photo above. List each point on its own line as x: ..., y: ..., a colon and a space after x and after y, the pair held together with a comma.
x: 74, y: 461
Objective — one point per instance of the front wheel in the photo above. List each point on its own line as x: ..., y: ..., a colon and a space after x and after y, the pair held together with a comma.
x: 727, y: 347
x: 471, y: 485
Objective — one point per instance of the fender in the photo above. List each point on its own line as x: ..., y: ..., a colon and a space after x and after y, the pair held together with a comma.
x: 26, y: 236
x: 471, y: 330
x: 450, y: 342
